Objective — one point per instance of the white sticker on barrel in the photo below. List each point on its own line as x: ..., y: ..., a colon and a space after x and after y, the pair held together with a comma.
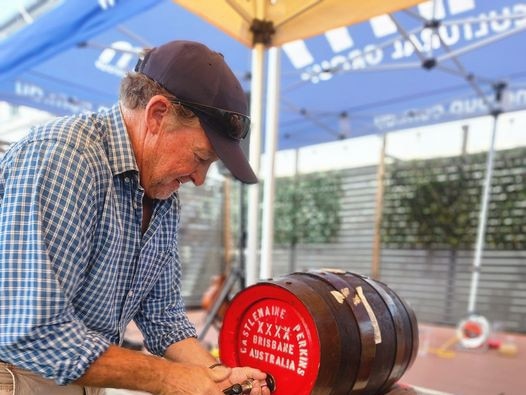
x: 340, y: 295
x: 372, y: 316
x: 332, y: 270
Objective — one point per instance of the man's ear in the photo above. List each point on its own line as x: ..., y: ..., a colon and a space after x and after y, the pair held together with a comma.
x: 157, y: 108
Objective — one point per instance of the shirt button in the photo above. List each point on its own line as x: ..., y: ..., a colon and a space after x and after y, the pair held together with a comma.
x: 127, y: 180
x: 130, y: 293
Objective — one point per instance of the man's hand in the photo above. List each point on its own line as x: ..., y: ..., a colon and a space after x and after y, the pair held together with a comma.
x: 239, y: 375
x: 191, y: 351
x: 190, y: 379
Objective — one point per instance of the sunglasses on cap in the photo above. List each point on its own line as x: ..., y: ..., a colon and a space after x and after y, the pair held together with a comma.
x: 234, y: 124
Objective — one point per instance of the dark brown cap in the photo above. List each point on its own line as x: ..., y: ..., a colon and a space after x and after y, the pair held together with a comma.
x: 194, y: 73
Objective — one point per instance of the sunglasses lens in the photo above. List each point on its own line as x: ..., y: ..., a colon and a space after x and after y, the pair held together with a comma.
x: 235, y: 125
x: 239, y: 125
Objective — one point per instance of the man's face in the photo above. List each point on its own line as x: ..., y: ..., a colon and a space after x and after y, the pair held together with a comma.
x: 175, y: 155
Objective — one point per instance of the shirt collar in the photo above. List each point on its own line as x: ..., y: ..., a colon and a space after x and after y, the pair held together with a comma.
x: 120, y: 151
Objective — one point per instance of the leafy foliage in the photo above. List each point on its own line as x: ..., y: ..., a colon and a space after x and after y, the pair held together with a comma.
x: 307, y: 209
x: 436, y: 203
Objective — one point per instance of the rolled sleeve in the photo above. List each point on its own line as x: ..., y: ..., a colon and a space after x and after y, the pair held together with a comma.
x: 61, y: 352
x: 163, y: 318
x: 45, y: 218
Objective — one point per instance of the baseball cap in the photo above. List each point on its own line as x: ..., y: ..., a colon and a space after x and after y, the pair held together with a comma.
x: 201, y: 80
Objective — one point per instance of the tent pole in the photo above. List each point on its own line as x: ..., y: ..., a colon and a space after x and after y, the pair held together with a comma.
x: 377, y: 241
x: 483, y: 215
x: 256, y: 90
x: 271, y: 137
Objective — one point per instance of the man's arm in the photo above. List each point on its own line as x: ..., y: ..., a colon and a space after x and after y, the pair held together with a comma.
x: 189, y: 351
x: 47, y: 217
x: 122, y: 368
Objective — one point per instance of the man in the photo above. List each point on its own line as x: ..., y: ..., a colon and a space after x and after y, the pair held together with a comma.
x: 88, y: 222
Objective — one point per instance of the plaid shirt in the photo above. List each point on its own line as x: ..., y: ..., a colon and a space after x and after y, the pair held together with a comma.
x: 75, y: 268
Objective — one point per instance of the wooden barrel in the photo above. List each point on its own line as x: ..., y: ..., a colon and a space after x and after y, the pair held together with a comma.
x: 321, y: 332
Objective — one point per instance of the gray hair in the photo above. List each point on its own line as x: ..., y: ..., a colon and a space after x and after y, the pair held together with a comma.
x: 137, y: 89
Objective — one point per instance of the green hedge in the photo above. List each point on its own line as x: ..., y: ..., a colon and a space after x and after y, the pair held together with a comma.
x: 436, y: 203
x: 307, y: 208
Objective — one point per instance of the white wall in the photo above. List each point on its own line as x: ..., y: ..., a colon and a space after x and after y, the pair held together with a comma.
x: 432, y: 141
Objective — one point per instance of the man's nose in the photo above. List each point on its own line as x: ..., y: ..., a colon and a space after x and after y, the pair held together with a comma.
x: 199, y: 175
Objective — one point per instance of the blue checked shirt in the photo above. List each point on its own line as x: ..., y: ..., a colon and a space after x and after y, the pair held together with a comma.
x: 75, y: 268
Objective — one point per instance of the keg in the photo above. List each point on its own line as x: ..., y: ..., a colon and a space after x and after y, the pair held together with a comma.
x: 321, y: 332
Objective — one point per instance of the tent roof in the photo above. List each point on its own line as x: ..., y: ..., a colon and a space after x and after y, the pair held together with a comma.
x: 289, y: 20
x: 361, y: 79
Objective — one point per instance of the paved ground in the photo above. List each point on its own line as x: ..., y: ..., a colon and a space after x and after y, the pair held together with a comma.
x: 463, y: 372
x: 455, y: 372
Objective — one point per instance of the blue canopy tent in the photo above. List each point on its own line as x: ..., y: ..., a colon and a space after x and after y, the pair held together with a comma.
x: 439, y: 61
x: 368, y: 75
x: 77, y: 66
